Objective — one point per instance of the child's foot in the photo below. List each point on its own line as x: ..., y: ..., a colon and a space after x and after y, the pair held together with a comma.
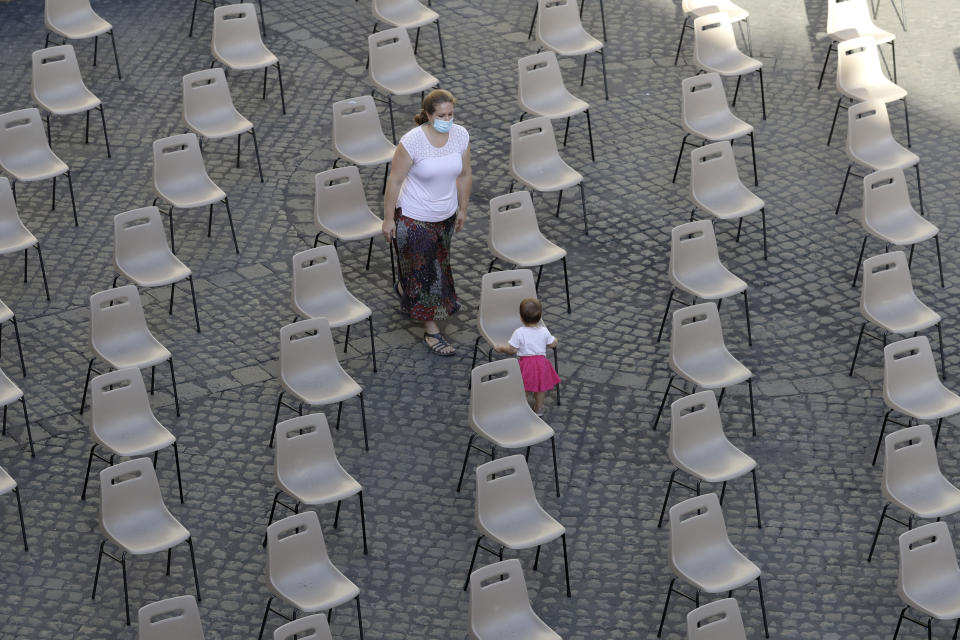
x: 540, y: 410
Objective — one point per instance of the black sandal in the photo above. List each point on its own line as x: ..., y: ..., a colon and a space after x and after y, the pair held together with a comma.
x: 440, y: 344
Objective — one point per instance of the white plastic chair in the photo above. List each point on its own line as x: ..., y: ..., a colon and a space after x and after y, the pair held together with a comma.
x: 10, y: 393
x: 701, y: 553
x: 860, y: 78
x: 209, y: 112
x: 500, y: 606
x: 603, y: 19
x: 699, y: 355
x: 134, y: 517
x: 871, y: 144
x: 58, y: 88
x: 119, y: 336
x: 699, y: 448
x: 9, y: 485
x: 124, y: 424
x: 394, y: 70
x: 7, y: 314
x: 514, y: 237
x: 693, y: 9
x: 911, y: 386
x: 559, y: 29
x: 311, y: 373
x: 237, y: 44
x: 715, y: 50
x: 912, y: 480
x: 142, y: 256
x: 358, y: 136
x: 26, y: 155
x: 929, y: 579
x: 76, y: 20
x: 14, y: 237
x: 716, y: 188
x: 696, y: 270
x: 848, y: 19
x: 319, y: 292
x: 718, y: 620
x: 299, y: 571
x: 508, y: 513
x: 888, y: 215
x: 888, y: 300
x: 536, y: 163
x: 306, y: 468
x: 340, y: 208
x: 541, y: 93
x: 408, y: 14
x: 171, y: 618
x: 193, y: 16
x: 313, y: 627
x: 180, y: 178
x: 706, y: 114
x: 500, y: 414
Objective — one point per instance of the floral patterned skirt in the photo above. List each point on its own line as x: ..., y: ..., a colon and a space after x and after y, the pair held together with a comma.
x: 425, y: 274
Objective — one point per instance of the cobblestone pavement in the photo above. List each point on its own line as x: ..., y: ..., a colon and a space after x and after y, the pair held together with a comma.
x: 817, y: 426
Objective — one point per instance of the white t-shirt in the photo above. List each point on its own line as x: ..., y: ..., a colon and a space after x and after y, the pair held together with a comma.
x: 430, y: 191
x: 531, y: 341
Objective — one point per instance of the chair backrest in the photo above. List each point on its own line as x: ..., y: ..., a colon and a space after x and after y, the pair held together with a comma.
x: 339, y: 194
x: 531, y: 143
x: 128, y: 488
x: 557, y: 17
x: 703, y: 96
x: 316, y: 272
x: 500, y: 296
x: 305, y: 345
x: 885, y: 194
x: 718, y: 620
x: 693, y: 248
x: 294, y: 542
x: 696, y: 524
x: 512, y: 216
x: 494, y: 387
x: 303, y: 442
x: 114, y: 313
x: 696, y: 329
x: 171, y: 618
x: 8, y: 206
x: 390, y: 51
x: 503, y: 484
x: 116, y: 397
x: 56, y: 10
x: 356, y: 124
x: 867, y: 122
x: 538, y: 76
x: 926, y: 554
x: 176, y: 158
x: 885, y: 278
x: 713, y: 34
x: 910, y: 454
x: 21, y: 133
x: 138, y: 232
x: 313, y: 627
x: 206, y: 93
x: 497, y: 592
x: 908, y: 364
x: 713, y: 167
x: 848, y: 14
x: 858, y: 62
x: 55, y: 69
x: 235, y: 25
x: 695, y: 419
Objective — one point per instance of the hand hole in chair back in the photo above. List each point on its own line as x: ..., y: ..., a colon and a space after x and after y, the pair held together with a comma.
x: 235, y: 16
x: 173, y: 614
x: 494, y: 376
x: 500, y: 475
x: 354, y: 108
x: 693, y: 319
x: 854, y: 51
x: 302, y: 634
x: 687, y: 237
x: 297, y: 432
x: 494, y: 580
x: 697, y: 408
x: 897, y: 446
x: 328, y: 184
x: 867, y: 114
x: 922, y: 542
x: 126, y: 477
x: 387, y: 42
x: 717, y: 617
x: 881, y: 183
x: 707, y: 27
x: 887, y: 266
x: 57, y: 58
x: 17, y: 123
x: 116, y: 385
x: 700, y: 87
x: 507, y: 284
x: 177, y: 148
x: 530, y: 132
x: 689, y: 515
x: 314, y: 262
x: 537, y: 65
x: 196, y: 84
x: 136, y: 222
x: 554, y: 3
x: 304, y: 335
x: 510, y: 206
x: 114, y: 302
x: 905, y: 354
x: 711, y: 156
x: 286, y: 534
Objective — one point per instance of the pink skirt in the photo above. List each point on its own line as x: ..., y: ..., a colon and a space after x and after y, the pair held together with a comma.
x: 538, y: 374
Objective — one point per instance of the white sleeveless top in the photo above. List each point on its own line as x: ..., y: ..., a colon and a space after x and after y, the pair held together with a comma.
x: 429, y: 192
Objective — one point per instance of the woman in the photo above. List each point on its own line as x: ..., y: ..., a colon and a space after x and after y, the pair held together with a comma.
x: 425, y: 202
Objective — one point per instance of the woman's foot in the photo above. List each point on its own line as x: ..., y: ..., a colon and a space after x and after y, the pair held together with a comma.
x: 438, y: 344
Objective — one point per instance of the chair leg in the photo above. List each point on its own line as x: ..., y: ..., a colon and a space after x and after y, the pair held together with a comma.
x: 666, y: 311
x: 283, y: 99
x: 193, y: 296
x: 906, y: 117
x: 443, y: 58
x: 176, y: 458
x: 359, y: 617
x: 583, y: 69
x: 663, y: 402
x: 753, y: 153
x: 876, y: 534
x: 369, y: 253
x: 736, y: 91
x: 116, y: 59
x: 896, y: 631
x: 883, y: 428
x: 566, y: 564
x: 23, y: 528
x: 43, y: 272
x: 593, y: 158
x: 193, y: 561
x: 753, y: 420
x: 556, y: 474
x: 833, y: 124
x: 266, y: 614
x: 466, y: 457
x: 363, y: 523
x: 393, y: 129
x: 763, y: 99
x: 826, y: 59
x: 566, y: 286
x: 363, y: 418
x: 126, y: 592
x: 603, y: 65
x: 666, y: 498
x: 256, y: 151
x: 16, y: 331
x: 856, y: 349
x: 173, y: 381
x: 73, y: 201
x: 666, y: 604
x: 473, y: 560
x: 756, y: 497
x: 373, y: 347
x: 943, y: 361
x: 86, y: 478
x: 680, y: 155
x: 856, y: 271
x: 936, y: 240
x: 763, y: 608
x: 583, y: 205
x: 193, y: 16
x: 919, y: 187
x: 683, y: 29
x: 106, y: 137
x: 86, y: 383
x: 236, y: 247
x: 533, y: 21
x: 746, y: 311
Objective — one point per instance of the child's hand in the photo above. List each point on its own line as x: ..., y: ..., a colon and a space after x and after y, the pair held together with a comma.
x: 553, y: 345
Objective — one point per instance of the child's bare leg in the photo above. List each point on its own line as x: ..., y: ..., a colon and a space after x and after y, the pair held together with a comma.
x: 538, y: 397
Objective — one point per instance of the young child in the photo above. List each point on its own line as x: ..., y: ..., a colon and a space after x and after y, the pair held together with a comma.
x: 529, y: 343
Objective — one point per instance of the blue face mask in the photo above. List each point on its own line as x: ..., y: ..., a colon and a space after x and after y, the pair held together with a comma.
x: 442, y: 126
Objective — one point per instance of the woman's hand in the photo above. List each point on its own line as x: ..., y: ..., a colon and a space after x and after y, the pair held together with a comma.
x: 389, y: 229
x: 461, y: 219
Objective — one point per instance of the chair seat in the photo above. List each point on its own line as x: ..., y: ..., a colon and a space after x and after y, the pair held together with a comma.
x: 721, y: 126
x: 931, y: 496
x: 573, y: 42
x: 323, y: 386
x: 79, y: 25
x: 136, y: 437
x: 408, y: 15
x: 882, y: 89
x: 713, y: 461
x: 730, y: 203
x: 903, y: 316
x: 524, y: 527
x: 68, y: 100
x: 717, y: 568
x: 879, y: 35
x: 223, y: 124
x: 513, y: 427
x: 368, y: 152
x: 15, y: 237
x: 712, y: 369
x: 711, y: 283
x: 198, y: 191
x: 527, y: 251
x: 553, y: 174
x: 5, y: 312
x: 931, y: 402
x: 404, y: 81
x: 555, y: 105
x: 136, y: 351
x: 903, y: 228
x: 519, y: 626
x: 320, y: 484
x: 314, y: 587
x: 253, y: 55
x: 36, y: 164
x: 340, y: 308
x: 359, y: 224
x: 141, y: 532
x: 9, y: 392
x: 154, y: 269
x: 7, y: 483
x: 939, y: 598
x: 884, y: 154
x: 730, y: 63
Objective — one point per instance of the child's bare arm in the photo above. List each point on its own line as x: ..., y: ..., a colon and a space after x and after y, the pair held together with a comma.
x: 505, y: 348
x: 553, y: 345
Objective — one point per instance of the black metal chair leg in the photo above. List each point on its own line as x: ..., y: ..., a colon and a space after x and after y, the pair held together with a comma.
x: 856, y: 271
x: 73, y: 201
x: 753, y: 420
x: 756, y: 498
x: 233, y: 233
x: 763, y: 608
x: 363, y: 523
x: 23, y: 366
x: 936, y: 240
x: 763, y: 99
x: 373, y: 347
x: 193, y: 296
x: 683, y: 29
x: 603, y: 64
x: 173, y: 381
x: 86, y: 383
x: 193, y: 16
x: 583, y: 205
x: 43, y: 272
x: 566, y: 564
x: 826, y: 59
x: 906, y: 117
x: 666, y: 311
x: 443, y: 58
x: 193, y: 561
x: 843, y: 189
x: 266, y: 614
x: 23, y: 527
x: 876, y: 534
x: 856, y: 350
x: 473, y: 560
x: 363, y: 419
x: 746, y: 311
x: 256, y: 151
x: 883, y: 428
x: 566, y: 286
x: 666, y: 604
x: 663, y: 402
x: 593, y: 158
x: 116, y: 58
x: 466, y: 457
x: 176, y: 458
x: 556, y: 474
x: 833, y: 124
x: 106, y: 137
x: 666, y: 498
x: 676, y: 169
x: 283, y: 99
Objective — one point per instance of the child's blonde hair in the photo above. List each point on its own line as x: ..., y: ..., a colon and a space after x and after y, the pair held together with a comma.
x: 530, y: 311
